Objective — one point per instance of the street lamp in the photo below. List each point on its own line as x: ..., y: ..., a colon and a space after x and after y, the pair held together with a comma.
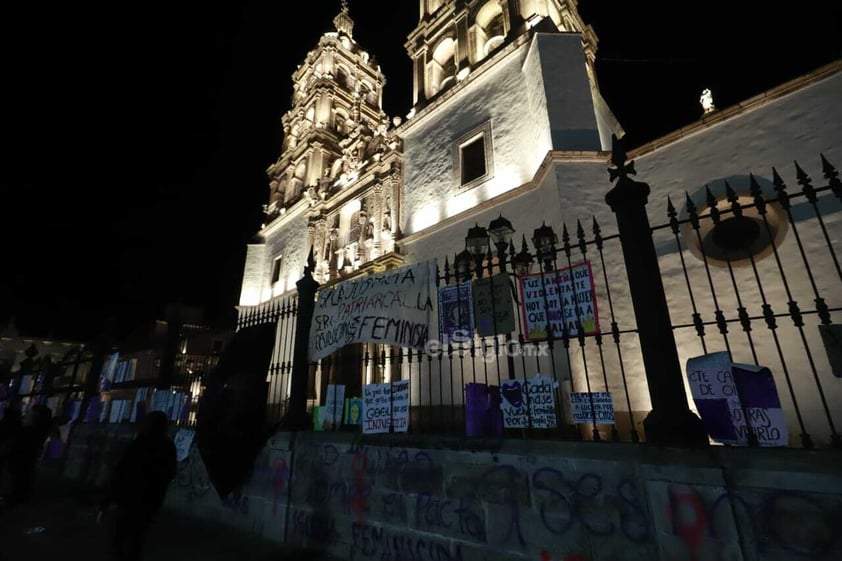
x: 476, y: 242
x: 522, y: 261
x: 501, y: 232
x: 545, y: 239
x: 462, y: 264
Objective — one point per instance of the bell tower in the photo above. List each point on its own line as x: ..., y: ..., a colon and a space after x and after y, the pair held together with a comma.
x: 454, y: 37
x: 337, y: 95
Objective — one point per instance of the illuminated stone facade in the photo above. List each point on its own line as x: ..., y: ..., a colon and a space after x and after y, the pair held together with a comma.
x: 507, y: 119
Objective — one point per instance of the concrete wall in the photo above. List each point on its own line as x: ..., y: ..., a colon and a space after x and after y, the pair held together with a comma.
x: 411, y: 498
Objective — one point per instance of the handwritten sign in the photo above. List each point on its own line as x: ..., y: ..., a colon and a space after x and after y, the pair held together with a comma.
x: 377, y: 408
x: 592, y: 407
x: 761, y: 404
x: 393, y: 308
x: 334, y: 400
x: 561, y: 298
x: 456, y: 313
x: 529, y: 402
x: 493, y: 305
x: 400, y: 405
x: 386, y: 406
x: 726, y: 394
x: 183, y: 441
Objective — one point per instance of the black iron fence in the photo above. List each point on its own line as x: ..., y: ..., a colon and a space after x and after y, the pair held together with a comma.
x: 762, y: 282
x: 58, y: 384
x: 282, y: 311
x: 750, y: 269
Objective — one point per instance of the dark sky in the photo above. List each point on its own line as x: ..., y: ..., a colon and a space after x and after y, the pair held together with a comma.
x: 136, y: 135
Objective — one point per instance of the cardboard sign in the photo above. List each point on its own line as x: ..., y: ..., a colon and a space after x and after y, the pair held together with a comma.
x: 761, y: 404
x: 529, y: 402
x: 456, y: 313
x: 592, y: 407
x: 483, y: 417
x: 393, y: 308
x: 726, y: 394
x: 353, y: 411
x: 560, y: 298
x: 400, y: 405
x: 377, y: 408
x: 493, y: 305
x: 386, y: 407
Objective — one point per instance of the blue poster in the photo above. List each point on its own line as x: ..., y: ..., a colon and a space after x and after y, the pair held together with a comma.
x: 456, y: 313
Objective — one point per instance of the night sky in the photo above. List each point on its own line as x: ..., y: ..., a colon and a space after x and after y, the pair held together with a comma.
x: 136, y: 135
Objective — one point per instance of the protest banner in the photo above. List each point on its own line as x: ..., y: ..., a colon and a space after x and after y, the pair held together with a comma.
x: 391, y: 308
x: 592, y: 407
x: 493, y: 305
x: 456, y: 313
x: 561, y: 298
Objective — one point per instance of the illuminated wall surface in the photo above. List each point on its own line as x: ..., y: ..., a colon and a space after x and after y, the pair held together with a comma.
x: 545, y: 129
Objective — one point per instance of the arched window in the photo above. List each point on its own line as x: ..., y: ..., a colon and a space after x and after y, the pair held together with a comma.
x: 490, y: 29
x: 442, y: 67
x: 339, y: 119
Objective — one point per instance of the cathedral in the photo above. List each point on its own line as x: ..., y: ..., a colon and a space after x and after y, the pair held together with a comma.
x: 507, y: 119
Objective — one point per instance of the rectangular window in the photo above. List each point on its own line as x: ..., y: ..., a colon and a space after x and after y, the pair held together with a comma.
x: 473, y: 160
x: 276, y: 270
x: 473, y: 157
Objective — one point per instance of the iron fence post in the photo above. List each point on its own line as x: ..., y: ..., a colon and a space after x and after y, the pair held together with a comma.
x: 296, y: 417
x: 670, y: 421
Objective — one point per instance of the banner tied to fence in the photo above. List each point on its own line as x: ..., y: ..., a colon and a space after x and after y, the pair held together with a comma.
x: 392, y: 308
x: 564, y: 299
x: 736, y: 399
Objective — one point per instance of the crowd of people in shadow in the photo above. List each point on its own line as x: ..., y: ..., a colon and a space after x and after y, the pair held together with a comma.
x: 132, y: 499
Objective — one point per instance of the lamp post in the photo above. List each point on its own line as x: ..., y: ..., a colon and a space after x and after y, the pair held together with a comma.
x: 462, y: 265
x: 501, y: 232
x: 522, y: 262
x: 476, y: 243
x: 545, y: 239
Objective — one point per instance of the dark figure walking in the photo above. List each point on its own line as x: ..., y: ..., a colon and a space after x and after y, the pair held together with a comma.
x: 138, y: 487
x: 10, y: 428
x: 25, y: 452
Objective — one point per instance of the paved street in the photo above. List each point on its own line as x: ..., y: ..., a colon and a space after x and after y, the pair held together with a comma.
x: 68, y: 515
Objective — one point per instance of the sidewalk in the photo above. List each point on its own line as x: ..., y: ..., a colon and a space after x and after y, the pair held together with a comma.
x: 68, y: 514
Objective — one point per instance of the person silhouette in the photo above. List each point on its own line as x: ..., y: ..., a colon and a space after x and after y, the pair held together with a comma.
x: 138, y: 487
x: 26, y: 451
x: 10, y: 427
